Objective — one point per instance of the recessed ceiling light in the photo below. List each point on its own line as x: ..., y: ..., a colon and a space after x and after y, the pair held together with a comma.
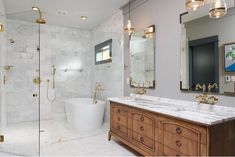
x: 35, y: 8
x: 83, y: 17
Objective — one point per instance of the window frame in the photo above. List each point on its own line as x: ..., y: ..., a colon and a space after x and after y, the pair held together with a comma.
x: 99, y: 47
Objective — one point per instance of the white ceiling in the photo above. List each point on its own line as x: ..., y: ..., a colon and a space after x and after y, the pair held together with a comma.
x: 97, y: 11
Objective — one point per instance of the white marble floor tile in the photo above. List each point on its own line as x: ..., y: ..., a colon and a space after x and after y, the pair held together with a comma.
x: 58, y: 139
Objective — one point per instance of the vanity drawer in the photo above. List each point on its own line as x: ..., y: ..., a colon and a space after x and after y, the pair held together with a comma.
x: 181, y: 130
x: 120, y: 129
x: 118, y: 118
x: 181, y: 144
x: 143, y: 118
x: 191, y: 131
x: 171, y: 152
x: 143, y: 129
x: 143, y: 141
x: 119, y: 110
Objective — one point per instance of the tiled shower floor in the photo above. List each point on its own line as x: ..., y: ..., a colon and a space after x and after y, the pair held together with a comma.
x: 58, y: 139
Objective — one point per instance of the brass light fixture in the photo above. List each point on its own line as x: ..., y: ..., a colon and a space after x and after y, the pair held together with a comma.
x: 129, y: 29
x: 218, y: 9
x: 40, y: 20
x: 193, y: 5
x: 149, y: 32
x: 1, y: 27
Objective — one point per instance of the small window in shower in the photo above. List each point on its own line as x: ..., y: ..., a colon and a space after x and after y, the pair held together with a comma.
x: 103, y: 52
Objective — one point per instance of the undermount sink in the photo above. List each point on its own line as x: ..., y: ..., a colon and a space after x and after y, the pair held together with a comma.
x: 157, y: 105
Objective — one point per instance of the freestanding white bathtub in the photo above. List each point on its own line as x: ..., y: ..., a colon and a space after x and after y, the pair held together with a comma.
x: 83, y: 115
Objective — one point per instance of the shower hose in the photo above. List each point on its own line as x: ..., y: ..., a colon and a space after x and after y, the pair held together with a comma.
x: 49, y: 99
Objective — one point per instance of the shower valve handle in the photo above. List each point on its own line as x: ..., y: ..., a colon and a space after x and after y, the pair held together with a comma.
x: 35, y: 95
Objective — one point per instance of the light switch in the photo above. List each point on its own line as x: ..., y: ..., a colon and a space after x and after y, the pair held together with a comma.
x: 233, y: 78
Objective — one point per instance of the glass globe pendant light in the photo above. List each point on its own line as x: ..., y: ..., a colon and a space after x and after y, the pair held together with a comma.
x: 129, y: 29
x: 193, y: 5
x: 218, y: 9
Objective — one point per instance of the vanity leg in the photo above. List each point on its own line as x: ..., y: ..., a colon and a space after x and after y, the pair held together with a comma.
x: 109, y: 138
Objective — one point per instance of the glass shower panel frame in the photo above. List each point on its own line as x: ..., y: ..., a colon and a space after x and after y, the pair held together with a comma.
x: 20, y: 85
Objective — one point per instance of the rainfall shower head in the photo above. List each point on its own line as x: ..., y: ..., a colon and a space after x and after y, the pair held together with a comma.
x: 40, y: 20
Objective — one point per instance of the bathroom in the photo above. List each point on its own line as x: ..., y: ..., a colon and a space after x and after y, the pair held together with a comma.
x: 45, y: 67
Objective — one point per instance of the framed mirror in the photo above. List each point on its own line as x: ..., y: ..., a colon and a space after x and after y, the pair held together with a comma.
x: 208, y: 51
x: 142, y: 58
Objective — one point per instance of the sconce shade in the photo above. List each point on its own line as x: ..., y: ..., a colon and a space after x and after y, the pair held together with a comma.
x: 129, y: 28
x: 193, y: 5
x: 218, y: 9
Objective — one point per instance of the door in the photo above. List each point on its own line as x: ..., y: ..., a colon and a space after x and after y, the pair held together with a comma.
x: 19, y: 53
x: 203, y: 61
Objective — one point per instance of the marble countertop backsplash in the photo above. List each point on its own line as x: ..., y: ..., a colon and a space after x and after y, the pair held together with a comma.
x: 193, y: 111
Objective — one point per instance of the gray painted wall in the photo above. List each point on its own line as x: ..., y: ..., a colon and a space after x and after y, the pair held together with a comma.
x: 165, y: 15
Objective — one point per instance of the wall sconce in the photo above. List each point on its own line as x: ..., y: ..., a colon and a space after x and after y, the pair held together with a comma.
x: 1, y: 27
x: 149, y: 32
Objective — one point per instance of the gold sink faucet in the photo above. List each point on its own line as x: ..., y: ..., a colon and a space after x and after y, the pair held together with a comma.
x: 140, y: 90
x: 205, y: 98
x: 214, y: 86
x: 203, y: 87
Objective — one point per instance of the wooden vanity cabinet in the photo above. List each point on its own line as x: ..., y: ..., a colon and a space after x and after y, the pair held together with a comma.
x: 153, y: 134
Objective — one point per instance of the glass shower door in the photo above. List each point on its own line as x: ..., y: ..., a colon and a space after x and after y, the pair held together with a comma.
x: 19, y: 93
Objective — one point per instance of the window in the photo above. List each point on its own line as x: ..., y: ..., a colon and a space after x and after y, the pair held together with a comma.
x: 103, y: 52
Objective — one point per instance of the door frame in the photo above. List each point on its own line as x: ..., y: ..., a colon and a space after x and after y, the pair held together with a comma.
x: 208, y: 40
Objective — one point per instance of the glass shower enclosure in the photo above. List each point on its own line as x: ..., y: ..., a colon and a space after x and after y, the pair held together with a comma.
x: 19, y: 85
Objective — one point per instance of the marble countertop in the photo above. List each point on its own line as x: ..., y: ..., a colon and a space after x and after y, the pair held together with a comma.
x: 193, y: 111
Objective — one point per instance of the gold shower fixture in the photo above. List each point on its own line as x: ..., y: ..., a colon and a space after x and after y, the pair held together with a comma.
x: 1, y: 27
x: 40, y: 20
x: 8, y: 67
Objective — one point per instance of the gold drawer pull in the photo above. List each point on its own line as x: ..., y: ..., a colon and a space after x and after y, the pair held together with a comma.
x: 119, y: 119
x: 141, y: 139
x: 178, y: 131
x: 178, y: 143
x: 119, y: 128
x: 141, y: 128
x: 119, y: 111
x: 177, y: 155
x: 141, y: 118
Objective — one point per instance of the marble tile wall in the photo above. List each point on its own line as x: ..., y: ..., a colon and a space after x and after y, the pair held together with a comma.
x: 71, y: 51
x: 109, y: 74
x: 68, y: 49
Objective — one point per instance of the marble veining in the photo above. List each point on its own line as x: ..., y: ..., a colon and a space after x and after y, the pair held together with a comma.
x: 200, y: 113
